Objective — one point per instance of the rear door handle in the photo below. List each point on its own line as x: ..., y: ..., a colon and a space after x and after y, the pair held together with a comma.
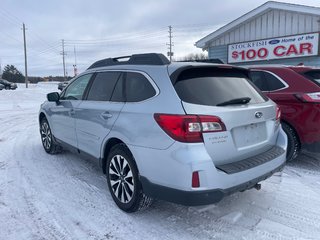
x: 106, y: 115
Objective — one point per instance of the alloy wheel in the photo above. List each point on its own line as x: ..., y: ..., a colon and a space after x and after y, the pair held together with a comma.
x: 46, y: 135
x: 121, y: 179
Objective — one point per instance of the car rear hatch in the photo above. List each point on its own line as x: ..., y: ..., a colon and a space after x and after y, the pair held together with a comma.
x: 249, y: 125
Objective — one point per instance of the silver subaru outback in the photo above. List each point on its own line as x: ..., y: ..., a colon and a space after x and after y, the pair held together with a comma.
x: 185, y: 132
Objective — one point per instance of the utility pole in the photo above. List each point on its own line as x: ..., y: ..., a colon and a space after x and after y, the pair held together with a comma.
x: 75, y: 70
x: 170, y: 44
x: 64, y: 64
x: 25, y: 54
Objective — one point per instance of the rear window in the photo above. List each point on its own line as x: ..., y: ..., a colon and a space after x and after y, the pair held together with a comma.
x: 212, y: 86
x: 313, y: 75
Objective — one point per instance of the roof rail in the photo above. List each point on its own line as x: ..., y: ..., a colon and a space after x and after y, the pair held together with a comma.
x: 135, y: 59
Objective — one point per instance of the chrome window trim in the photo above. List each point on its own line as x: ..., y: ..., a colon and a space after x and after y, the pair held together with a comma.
x: 151, y: 81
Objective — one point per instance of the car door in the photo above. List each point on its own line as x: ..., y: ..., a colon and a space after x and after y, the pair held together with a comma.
x: 63, y: 113
x: 96, y: 115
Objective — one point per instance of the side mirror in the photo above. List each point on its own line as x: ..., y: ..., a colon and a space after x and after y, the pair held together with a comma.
x: 53, y: 97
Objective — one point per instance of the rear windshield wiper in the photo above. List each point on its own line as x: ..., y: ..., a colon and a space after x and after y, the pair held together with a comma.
x: 243, y: 100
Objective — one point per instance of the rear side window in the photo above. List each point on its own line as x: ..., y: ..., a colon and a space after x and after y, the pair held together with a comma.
x: 266, y: 81
x: 138, y: 87
x: 103, y: 86
x: 273, y: 82
x: 212, y: 86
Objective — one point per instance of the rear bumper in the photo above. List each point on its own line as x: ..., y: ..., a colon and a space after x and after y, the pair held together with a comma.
x: 194, y: 198
x: 167, y: 174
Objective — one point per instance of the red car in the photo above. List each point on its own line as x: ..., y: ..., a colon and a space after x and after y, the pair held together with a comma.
x: 296, y: 89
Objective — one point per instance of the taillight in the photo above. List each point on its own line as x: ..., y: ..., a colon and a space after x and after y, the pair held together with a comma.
x: 309, y: 97
x: 188, y: 128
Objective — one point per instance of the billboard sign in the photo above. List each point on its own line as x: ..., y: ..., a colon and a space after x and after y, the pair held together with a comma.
x: 303, y: 45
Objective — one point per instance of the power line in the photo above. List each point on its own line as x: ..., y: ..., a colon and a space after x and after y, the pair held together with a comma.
x: 10, y: 17
x: 36, y: 52
x: 123, y: 36
x: 14, y: 20
x: 46, y: 51
x: 44, y: 66
x: 53, y: 47
x: 11, y: 37
x: 113, y: 45
x: 115, y: 38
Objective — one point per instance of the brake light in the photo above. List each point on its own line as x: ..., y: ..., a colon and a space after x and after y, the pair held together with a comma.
x: 309, y: 97
x: 188, y: 128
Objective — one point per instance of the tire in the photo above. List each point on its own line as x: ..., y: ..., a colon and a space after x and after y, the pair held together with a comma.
x: 48, y: 141
x: 123, y: 180
x: 7, y: 87
x: 293, y: 142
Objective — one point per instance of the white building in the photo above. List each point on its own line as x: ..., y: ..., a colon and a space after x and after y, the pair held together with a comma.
x: 274, y: 33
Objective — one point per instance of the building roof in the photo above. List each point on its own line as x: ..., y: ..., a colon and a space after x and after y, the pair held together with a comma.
x: 202, y: 43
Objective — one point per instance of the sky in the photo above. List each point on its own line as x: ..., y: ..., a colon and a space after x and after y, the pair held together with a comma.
x: 100, y: 29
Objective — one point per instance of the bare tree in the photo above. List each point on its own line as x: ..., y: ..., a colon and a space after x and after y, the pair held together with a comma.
x: 194, y: 56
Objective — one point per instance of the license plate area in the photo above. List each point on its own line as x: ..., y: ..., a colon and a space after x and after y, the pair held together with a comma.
x: 250, y: 134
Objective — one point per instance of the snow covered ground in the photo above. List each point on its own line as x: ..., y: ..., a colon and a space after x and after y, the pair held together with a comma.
x: 65, y: 197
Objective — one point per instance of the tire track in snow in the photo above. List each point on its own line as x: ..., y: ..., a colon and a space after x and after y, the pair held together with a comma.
x: 312, y: 183
x: 35, y: 166
x: 46, y: 228
x: 286, y: 215
x: 298, y: 218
